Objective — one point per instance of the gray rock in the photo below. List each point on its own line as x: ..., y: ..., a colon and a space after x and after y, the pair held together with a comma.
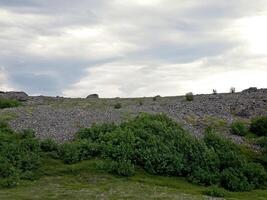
x: 20, y: 96
x: 249, y: 90
x: 92, y: 96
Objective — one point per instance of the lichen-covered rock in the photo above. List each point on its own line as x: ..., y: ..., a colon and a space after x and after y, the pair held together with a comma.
x: 20, y: 96
x: 93, y: 96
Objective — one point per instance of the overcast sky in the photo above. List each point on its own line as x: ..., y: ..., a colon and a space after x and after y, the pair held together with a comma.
x: 132, y: 48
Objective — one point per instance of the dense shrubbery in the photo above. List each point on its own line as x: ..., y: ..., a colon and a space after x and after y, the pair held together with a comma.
x: 239, y: 128
x: 259, y: 126
x: 160, y: 146
x: 19, y: 156
x: 8, y: 103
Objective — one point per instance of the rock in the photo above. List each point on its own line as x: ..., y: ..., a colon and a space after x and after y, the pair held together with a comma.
x: 249, y: 90
x: 20, y: 96
x: 92, y: 96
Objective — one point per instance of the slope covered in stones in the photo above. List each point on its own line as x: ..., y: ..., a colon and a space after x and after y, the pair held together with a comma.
x: 60, y: 118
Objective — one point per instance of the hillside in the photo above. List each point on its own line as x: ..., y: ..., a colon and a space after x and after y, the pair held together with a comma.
x: 60, y: 118
x: 139, y: 156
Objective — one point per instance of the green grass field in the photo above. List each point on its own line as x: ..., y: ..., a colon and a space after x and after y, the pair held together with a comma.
x: 85, y: 181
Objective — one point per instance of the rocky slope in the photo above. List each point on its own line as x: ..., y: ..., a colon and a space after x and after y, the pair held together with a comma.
x: 60, y: 118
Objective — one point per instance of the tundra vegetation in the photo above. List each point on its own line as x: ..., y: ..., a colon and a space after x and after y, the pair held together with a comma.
x: 154, y: 145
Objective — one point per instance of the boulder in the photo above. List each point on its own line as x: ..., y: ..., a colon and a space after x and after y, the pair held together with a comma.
x: 250, y: 90
x: 92, y: 96
x: 20, y: 96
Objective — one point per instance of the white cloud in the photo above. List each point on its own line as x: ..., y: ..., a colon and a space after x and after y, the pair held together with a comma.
x: 94, y: 42
x: 3, y: 80
x: 133, y: 47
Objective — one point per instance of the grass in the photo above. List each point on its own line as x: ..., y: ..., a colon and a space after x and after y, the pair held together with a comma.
x: 85, y: 181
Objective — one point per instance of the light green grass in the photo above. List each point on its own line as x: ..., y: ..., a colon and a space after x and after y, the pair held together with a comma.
x: 84, y: 181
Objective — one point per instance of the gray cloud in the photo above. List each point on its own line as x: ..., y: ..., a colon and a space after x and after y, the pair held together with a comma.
x: 122, y: 48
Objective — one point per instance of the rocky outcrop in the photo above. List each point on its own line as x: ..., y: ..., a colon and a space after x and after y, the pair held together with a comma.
x: 20, y: 96
x: 92, y: 96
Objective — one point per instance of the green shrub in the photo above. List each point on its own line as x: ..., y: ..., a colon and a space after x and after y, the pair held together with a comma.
x: 69, y: 153
x: 88, y: 149
x: 160, y: 146
x: 122, y: 167
x: 49, y: 145
x: 19, y: 155
x: 9, y: 103
x: 117, y: 106
x: 215, y: 191
x: 259, y: 126
x: 95, y: 132
x: 189, y: 96
x: 9, y: 182
x: 239, y: 128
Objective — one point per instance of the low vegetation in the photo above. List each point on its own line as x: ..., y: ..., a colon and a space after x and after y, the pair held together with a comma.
x: 215, y: 191
x: 9, y: 103
x: 153, y: 144
x: 259, y: 126
x: 117, y: 106
x: 239, y: 128
x: 189, y: 96
x: 19, y: 156
x: 162, y: 147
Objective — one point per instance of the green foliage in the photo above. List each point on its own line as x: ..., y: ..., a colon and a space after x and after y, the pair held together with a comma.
x: 9, y: 103
x: 95, y: 132
x: 215, y: 191
x: 259, y: 126
x: 117, y: 106
x: 239, y: 128
x: 19, y: 153
x: 49, y: 145
x: 70, y: 153
x: 189, y: 96
x: 161, y: 146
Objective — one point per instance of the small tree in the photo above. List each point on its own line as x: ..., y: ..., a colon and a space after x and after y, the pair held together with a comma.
x: 214, y: 91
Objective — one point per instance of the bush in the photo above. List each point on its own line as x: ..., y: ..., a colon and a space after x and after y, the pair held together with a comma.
x: 9, y: 103
x: 189, y: 96
x: 259, y: 126
x: 117, y: 106
x: 215, y: 191
x: 48, y: 145
x: 19, y: 155
x: 122, y: 168
x: 239, y: 128
x: 160, y: 146
x: 69, y: 153
x: 214, y: 92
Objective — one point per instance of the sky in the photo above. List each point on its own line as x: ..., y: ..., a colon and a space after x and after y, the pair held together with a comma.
x: 132, y: 48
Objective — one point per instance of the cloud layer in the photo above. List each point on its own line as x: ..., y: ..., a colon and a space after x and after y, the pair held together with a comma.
x: 132, y: 47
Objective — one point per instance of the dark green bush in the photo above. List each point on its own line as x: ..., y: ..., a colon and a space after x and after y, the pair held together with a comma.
x: 96, y: 131
x: 239, y: 128
x: 19, y: 154
x: 48, y: 145
x: 9, y: 103
x: 259, y: 126
x: 161, y: 146
x: 117, y: 106
x: 189, y: 96
x: 215, y: 191
x: 122, y: 168
x: 70, y: 153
